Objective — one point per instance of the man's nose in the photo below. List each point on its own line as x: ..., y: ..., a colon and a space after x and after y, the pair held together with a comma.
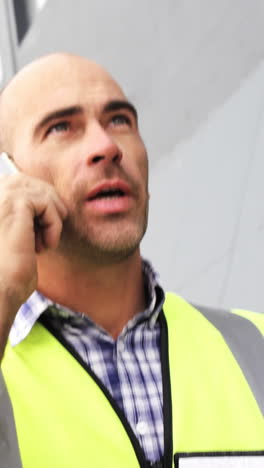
x: 103, y: 149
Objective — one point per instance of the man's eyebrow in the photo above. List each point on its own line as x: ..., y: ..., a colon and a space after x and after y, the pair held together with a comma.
x: 58, y: 114
x: 119, y: 105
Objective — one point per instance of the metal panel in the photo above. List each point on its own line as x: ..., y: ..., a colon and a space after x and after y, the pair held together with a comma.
x: 8, y: 40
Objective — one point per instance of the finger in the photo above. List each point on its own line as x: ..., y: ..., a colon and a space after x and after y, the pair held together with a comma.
x: 43, y: 198
x: 48, y: 227
x: 60, y: 205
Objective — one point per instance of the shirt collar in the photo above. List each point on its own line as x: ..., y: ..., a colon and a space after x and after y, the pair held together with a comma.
x: 31, y: 310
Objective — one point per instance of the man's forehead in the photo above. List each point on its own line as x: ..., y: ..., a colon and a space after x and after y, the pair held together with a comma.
x: 59, y: 79
x: 55, y: 77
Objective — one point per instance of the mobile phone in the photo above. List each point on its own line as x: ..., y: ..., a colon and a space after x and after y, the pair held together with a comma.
x: 7, y: 166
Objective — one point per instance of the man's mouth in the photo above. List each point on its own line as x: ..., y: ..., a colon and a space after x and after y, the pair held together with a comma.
x: 109, y: 189
x: 107, y: 193
x: 110, y: 197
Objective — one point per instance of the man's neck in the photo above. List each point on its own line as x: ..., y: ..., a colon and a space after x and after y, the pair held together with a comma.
x: 109, y: 295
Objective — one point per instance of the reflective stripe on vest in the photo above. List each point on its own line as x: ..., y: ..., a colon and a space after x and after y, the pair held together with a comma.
x: 64, y: 419
x: 240, y: 334
x: 9, y: 456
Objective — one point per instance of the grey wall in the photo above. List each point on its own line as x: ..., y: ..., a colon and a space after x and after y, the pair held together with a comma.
x: 195, y: 69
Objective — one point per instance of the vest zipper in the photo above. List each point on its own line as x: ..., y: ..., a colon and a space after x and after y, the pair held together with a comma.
x: 167, y: 407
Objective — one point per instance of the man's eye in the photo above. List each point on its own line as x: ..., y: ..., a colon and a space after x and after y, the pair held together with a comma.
x: 121, y: 119
x: 58, y: 128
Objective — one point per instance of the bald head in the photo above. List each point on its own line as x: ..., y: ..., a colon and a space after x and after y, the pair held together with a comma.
x: 47, y: 76
x: 65, y: 120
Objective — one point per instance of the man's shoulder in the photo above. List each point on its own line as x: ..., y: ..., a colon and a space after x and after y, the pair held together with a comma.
x: 231, y: 339
x: 216, y: 315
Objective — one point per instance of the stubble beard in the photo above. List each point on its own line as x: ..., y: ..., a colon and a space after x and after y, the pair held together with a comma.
x: 112, y: 240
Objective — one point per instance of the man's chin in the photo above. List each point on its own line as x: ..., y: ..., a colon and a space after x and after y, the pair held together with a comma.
x: 104, y: 244
x: 99, y: 249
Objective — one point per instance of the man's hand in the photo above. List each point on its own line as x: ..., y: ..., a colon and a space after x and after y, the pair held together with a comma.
x: 31, y: 217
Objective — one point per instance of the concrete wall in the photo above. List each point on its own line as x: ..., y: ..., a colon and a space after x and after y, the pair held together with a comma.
x: 195, y: 70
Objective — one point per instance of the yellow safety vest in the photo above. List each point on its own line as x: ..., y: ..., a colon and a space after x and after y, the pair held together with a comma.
x: 213, y: 401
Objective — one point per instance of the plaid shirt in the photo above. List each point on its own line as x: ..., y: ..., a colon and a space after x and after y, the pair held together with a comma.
x: 129, y: 367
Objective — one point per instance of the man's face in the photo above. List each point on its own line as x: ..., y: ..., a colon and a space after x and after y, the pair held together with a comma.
x: 75, y: 129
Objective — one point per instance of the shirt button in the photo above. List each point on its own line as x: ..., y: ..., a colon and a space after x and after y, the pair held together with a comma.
x: 142, y: 428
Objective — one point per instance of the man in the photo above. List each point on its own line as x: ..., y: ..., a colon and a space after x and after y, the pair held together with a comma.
x: 100, y: 370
